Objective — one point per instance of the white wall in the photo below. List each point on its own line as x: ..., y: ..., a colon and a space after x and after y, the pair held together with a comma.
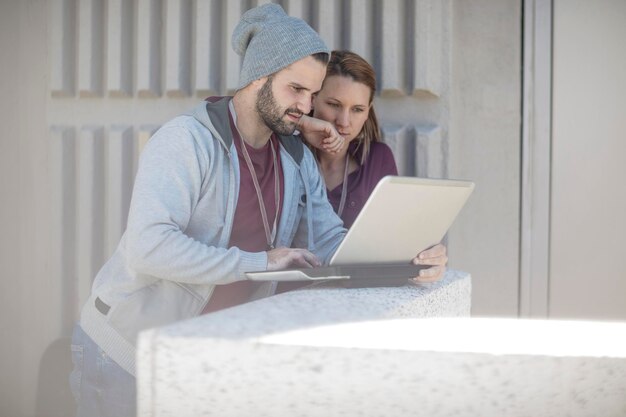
x: 588, y: 225
x: 29, y: 295
x: 485, y: 120
x: 9, y: 212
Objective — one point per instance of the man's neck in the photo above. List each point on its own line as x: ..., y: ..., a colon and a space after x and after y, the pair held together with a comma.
x: 250, y: 125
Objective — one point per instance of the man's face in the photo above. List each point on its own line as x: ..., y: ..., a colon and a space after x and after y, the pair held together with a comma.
x: 287, y: 94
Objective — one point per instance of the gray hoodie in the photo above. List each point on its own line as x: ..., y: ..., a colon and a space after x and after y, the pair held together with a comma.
x: 175, y: 247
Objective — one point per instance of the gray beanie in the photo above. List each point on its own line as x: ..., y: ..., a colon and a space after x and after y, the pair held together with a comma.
x: 269, y: 41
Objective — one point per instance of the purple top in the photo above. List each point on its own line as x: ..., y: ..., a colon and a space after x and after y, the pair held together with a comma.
x: 361, y: 183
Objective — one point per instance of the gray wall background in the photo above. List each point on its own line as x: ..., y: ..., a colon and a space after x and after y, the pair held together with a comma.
x: 85, y: 82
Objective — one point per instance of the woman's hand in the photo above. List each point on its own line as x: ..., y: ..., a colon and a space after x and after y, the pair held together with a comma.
x: 320, y: 134
x: 437, y: 257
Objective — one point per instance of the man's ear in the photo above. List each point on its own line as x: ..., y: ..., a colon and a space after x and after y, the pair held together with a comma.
x: 257, y: 84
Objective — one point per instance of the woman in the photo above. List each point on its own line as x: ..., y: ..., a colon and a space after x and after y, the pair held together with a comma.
x: 353, y: 166
x: 354, y: 161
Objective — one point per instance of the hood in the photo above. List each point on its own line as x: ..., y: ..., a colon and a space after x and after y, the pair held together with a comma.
x: 213, y: 114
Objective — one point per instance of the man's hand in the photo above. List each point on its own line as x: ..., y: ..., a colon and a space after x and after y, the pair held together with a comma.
x: 435, y: 256
x: 320, y: 134
x: 281, y: 258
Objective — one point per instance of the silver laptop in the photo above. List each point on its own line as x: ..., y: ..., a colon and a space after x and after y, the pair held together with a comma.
x: 402, y: 217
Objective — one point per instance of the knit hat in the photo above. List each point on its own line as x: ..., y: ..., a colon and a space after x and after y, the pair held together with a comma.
x: 269, y: 41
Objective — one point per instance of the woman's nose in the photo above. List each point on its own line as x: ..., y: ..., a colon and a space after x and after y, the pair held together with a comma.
x: 343, y: 118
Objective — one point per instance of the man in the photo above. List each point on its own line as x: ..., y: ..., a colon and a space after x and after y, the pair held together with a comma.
x: 221, y: 191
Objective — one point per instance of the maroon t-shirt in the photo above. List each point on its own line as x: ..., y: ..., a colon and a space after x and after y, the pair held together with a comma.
x: 248, y: 232
x: 361, y: 183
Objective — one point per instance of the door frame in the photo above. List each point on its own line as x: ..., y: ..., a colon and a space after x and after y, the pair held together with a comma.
x: 534, y: 291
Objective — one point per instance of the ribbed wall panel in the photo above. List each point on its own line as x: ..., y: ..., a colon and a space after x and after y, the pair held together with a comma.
x: 418, y: 150
x: 119, y: 179
x: 91, y: 176
x: 177, y: 64
x: 262, y: 2
x: 428, y: 45
x: 148, y: 48
x: 233, y: 11
x: 90, y: 47
x: 429, y: 152
x: 330, y: 22
x: 119, y: 47
x: 401, y: 140
x: 297, y: 8
x: 144, y: 134
x: 181, y: 48
x: 90, y: 203
x: 207, y: 47
x: 62, y: 41
x: 62, y: 212
x: 391, y: 15
x: 360, y: 33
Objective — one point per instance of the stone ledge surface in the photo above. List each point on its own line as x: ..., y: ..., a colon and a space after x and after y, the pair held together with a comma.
x: 325, y: 351
x: 182, y: 368
x: 326, y: 303
x: 398, y: 367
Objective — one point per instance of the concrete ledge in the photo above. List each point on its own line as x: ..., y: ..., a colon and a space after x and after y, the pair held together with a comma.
x: 327, y: 351
x: 325, y: 303
x: 441, y: 367
x: 380, y: 368
x: 187, y: 353
x: 208, y: 365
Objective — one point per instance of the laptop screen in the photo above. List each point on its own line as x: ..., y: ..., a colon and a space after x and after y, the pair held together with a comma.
x: 402, y: 217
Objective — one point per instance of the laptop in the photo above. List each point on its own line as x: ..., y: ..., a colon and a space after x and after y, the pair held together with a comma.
x: 402, y: 217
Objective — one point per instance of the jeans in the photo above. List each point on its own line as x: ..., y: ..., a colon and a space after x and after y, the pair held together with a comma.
x: 100, y: 386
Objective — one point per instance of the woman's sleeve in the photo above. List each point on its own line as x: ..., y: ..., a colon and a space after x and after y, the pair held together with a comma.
x: 387, y: 161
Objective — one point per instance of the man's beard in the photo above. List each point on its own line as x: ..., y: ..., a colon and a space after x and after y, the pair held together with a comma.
x: 271, y: 113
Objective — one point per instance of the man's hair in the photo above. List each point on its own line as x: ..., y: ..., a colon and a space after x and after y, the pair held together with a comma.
x: 321, y: 57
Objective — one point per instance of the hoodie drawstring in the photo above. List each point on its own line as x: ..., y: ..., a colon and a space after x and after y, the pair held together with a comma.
x: 309, y: 211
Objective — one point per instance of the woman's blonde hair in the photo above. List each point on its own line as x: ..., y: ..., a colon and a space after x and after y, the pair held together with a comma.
x: 352, y: 65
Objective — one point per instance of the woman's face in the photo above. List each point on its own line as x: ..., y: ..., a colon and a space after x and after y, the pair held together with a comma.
x: 344, y: 103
